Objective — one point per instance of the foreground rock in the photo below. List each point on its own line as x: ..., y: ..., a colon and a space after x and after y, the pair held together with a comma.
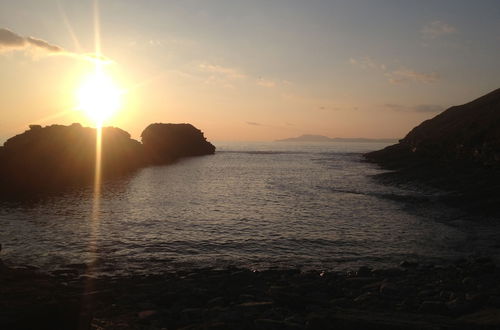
x: 463, y: 295
x: 57, y: 156
x: 458, y: 150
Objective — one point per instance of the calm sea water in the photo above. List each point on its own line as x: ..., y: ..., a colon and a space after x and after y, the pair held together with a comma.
x: 255, y: 205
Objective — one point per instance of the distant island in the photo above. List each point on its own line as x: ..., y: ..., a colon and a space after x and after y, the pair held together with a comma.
x: 58, y: 156
x: 322, y: 138
x: 457, y: 150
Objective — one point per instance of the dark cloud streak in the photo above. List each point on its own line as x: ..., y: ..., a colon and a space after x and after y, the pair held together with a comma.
x: 10, y: 41
x: 424, y: 108
x: 254, y: 123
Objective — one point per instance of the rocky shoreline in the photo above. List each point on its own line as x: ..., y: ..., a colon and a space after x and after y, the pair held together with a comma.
x: 457, y: 151
x: 462, y: 295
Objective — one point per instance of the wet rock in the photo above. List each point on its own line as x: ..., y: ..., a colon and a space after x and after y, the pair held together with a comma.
x: 365, y: 297
x: 495, y: 301
x: 427, y: 293
x: 408, y: 264
x: 361, y: 281
x: 483, y: 260
x: 476, y: 299
x: 254, y: 308
x: 191, y: 314
x: 468, y: 282
x: 388, y: 272
x: 268, y: 324
x: 217, y: 301
x: 282, y: 295
x: 231, y: 316
x: 246, y: 297
x: 433, y: 307
x: 364, y: 271
x: 146, y: 314
x: 457, y: 306
x: 317, y: 322
x: 296, y: 319
x: 486, y: 319
x: 388, y: 289
x: 205, y: 326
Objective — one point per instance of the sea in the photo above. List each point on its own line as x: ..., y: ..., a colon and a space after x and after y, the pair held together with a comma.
x: 255, y: 205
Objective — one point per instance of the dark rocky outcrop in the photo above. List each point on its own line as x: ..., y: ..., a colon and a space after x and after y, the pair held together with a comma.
x: 164, y: 143
x: 458, y: 150
x: 57, y: 156
x: 468, y: 133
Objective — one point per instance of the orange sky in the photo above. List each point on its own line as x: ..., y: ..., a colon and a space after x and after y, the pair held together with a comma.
x: 246, y: 72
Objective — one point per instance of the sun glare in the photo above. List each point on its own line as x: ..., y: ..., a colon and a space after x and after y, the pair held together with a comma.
x: 99, y: 97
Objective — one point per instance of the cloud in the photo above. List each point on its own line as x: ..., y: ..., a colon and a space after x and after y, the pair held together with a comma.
x: 437, y: 29
x: 229, y: 76
x: 366, y: 63
x: 337, y: 108
x: 10, y: 41
x: 424, y: 108
x: 252, y: 123
x: 266, y: 83
x: 395, y: 76
x: 226, y: 72
x: 395, y: 107
x: 406, y: 75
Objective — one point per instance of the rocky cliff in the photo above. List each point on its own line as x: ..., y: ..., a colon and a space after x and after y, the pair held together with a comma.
x: 469, y: 133
x: 457, y: 151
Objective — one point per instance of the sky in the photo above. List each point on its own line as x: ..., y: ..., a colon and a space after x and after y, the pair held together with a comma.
x: 249, y: 70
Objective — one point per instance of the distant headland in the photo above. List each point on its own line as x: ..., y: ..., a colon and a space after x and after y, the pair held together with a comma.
x: 322, y: 138
x: 58, y: 156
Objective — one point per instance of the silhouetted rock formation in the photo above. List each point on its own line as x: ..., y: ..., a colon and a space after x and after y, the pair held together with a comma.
x: 458, y: 150
x: 164, y: 143
x: 57, y: 156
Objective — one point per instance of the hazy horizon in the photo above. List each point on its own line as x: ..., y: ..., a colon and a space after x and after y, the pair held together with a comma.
x: 244, y: 71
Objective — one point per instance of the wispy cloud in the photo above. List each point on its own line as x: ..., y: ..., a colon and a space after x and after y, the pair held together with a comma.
x: 405, y: 75
x: 229, y: 76
x: 266, y: 83
x: 437, y: 29
x: 394, y: 75
x: 424, y: 108
x: 366, y: 63
x: 227, y: 72
x: 337, y: 108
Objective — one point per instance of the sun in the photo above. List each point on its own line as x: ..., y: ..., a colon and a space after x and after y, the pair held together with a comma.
x: 99, y: 97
